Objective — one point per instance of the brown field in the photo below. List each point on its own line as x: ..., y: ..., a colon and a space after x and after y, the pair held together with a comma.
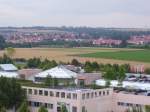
x: 65, y: 54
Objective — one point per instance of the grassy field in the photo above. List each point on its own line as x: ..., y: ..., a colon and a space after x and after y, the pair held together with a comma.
x: 137, y: 55
x: 86, y: 54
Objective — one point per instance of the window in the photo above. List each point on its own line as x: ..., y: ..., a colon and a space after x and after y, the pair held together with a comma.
x: 95, y: 94
x: 92, y: 95
x: 29, y: 103
x: 35, y: 92
x: 74, y: 109
x: 107, y: 92
x: 45, y: 105
x: 87, y: 95
x: 58, y: 109
x: 40, y: 92
x: 63, y: 95
x: 25, y: 91
x: 57, y: 94
x: 36, y: 104
x: 99, y: 93
x: 30, y: 91
x: 69, y: 95
x: 50, y: 106
x: 83, y: 109
x: 83, y: 96
x: 104, y: 93
x: 74, y: 96
x: 51, y: 93
x: 45, y: 93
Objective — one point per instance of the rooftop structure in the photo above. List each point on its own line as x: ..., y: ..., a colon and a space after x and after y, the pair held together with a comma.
x: 88, y: 78
x: 28, y: 74
x: 8, y: 70
x: 57, y: 72
x: 8, y: 67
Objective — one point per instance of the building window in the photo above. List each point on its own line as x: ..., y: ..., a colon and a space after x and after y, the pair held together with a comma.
x: 25, y: 91
x: 36, y: 104
x: 92, y: 95
x: 63, y: 95
x: 69, y: 95
x: 83, y: 96
x: 45, y: 105
x: 83, y: 109
x: 50, y: 106
x: 30, y: 91
x: 29, y: 103
x: 57, y: 94
x: 51, y: 93
x: 107, y: 92
x: 87, y: 95
x: 95, y: 94
x: 74, y: 96
x: 104, y: 93
x: 45, y: 93
x: 74, y: 109
x: 35, y: 92
x: 40, y: 92
x: 99, y: 93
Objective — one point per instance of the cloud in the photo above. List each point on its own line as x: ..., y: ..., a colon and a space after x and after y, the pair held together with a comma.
x: 108, y: 13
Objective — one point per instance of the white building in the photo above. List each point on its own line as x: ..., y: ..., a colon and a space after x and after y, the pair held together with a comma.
x: 59, y: 72
x: 125, y: 84
x: 84, y: 100
x: 8, y: 70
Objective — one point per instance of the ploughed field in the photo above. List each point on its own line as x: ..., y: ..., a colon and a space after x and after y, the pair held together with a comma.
x: 101, y: 55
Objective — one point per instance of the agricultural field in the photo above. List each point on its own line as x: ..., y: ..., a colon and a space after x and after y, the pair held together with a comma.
x: 137, y: 55
x: 101, y: 55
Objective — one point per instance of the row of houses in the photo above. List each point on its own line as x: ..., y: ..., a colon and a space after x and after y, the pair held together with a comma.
x: 135, y: 40
x: 108, y: 42
x: 139, y: 40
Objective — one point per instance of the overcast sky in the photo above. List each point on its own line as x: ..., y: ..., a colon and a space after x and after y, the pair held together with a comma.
x: 94, y: 13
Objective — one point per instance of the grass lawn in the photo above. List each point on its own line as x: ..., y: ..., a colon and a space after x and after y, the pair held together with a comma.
x: 137, y: 55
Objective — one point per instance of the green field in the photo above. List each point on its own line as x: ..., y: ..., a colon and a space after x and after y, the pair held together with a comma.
x: 136, y: 55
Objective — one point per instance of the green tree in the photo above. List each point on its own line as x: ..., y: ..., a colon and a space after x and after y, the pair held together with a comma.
x: 63, y: 108
x: 75, y: 62
x: 88, y: 67
x: 2, y: 109
x: 10, y: 51
x: 121, y: 75
x: 2, y: 42
x: 34, y: 63
x: 110, y: 74
x: 23, y: 107
x: 147, y: 108
x: 42, y: 109
x: 5, y: 59
x: 95, y: 66
x: 147, y: 70
x: 12, y: 97
x: 134, y: 109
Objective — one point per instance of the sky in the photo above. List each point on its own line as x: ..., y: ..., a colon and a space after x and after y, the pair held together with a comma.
x: 92, y: 13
